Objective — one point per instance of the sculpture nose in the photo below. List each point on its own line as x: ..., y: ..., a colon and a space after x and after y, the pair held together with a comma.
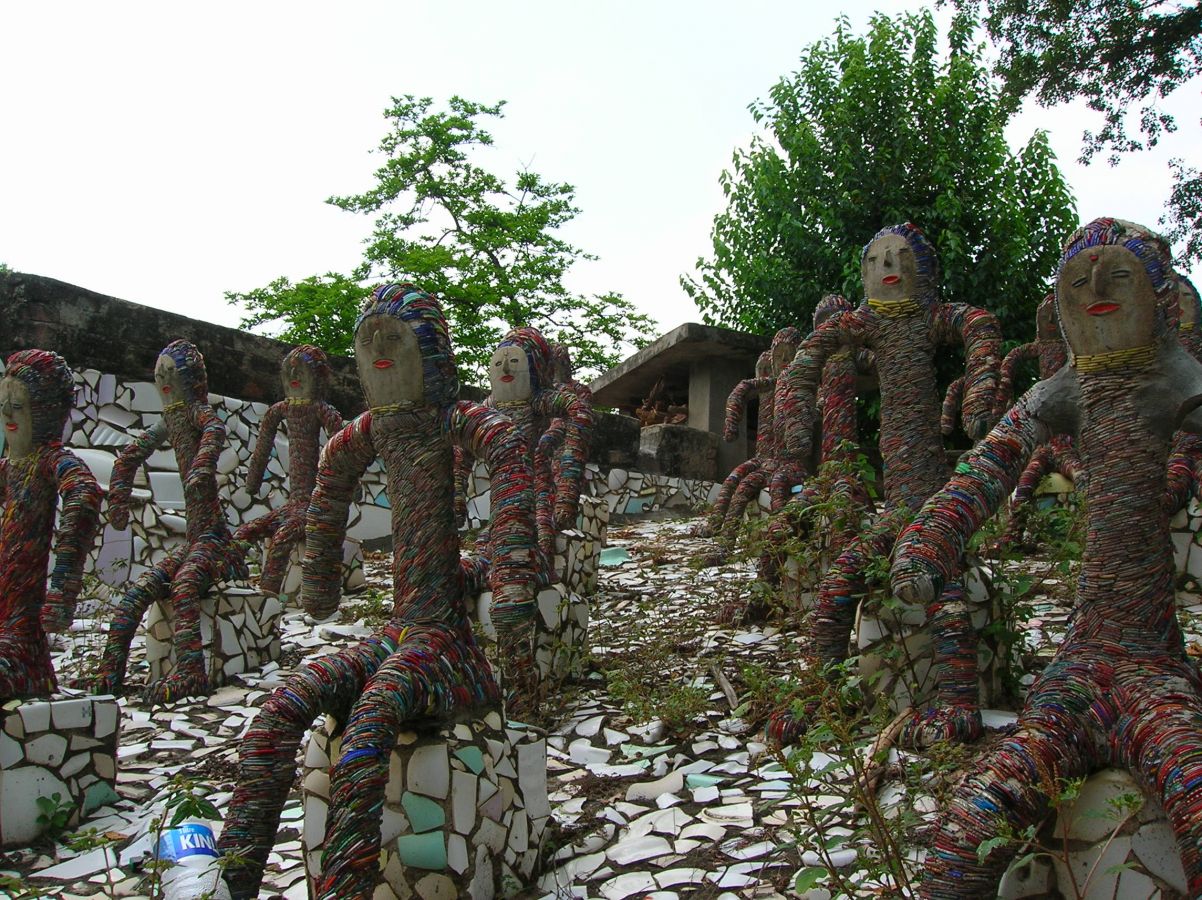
x: 1095, y: 280
x: 888, y: 258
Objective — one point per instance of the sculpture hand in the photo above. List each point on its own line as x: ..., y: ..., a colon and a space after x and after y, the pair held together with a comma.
x: 119, y: 515
x: 254, y: 485
x: 914, y: 582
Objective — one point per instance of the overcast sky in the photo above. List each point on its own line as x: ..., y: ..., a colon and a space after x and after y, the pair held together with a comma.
x: 165, y: 153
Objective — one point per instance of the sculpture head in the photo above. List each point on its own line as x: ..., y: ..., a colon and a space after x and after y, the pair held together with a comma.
x: 36, y: 396
x: 1112, y: 287
x: 784, y: 347
x: 305, y: 373
x: 403, y: 349
x: 1047, y: 325
x: 763, y: 365
x: 1188, y: 303
x: 899, y: 263
x: 561, y: 364
x: 520, y: 366
x: 179, y: 374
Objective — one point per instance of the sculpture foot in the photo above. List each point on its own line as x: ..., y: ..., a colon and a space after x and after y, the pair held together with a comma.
x: 104, y: 683
x: 961, y: 725
x: 176, y: 686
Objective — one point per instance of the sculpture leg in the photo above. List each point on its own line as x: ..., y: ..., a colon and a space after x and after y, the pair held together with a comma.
x: 432, y: 673
x: 717, y: 515
x: 267, y: 756
x: 747, y: 492
x: 26, y: 669
x: 1041, y: 463
x: 1158, y: 740
x: 289, y: 533
x: 956, y: 713
x: 1014, y: 782
x: 780, y: 486
x: 151, y: 586
x: 205, y: 564
x: 839, y: 595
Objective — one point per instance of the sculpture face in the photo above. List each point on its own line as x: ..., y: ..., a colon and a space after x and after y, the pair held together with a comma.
x: 167, y: 379
x: 389, y: 362
x: 1047, y: 326
x: 1106, y: 301
x: 1187, y: 299
x: 889, y: 269
x: 299, y: 380
x: 16, y: 414
x: 782, y: 355
x: 509, y: 374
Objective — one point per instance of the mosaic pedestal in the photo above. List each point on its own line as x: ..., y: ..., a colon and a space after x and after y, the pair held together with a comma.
x: 465, y: 809
x: 1187, y: 542
x: 896, y: 654
x: 65, y: 746
x: 631, y: 493
x: 1143, y: 846
x: 578, y: 550
x: 559, y: 634
x: 238, y: 630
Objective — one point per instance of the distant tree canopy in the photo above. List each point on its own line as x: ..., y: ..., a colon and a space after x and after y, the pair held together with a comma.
x: 488, y: 249
x: 871, y: 131
x: 1120, y: 57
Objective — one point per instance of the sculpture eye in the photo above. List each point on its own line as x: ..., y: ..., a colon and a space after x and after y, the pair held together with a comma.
x: 1080, y: 282
x: 1120, y: 273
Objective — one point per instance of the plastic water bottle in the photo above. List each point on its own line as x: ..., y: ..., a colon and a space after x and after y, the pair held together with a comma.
x: 193, y: 850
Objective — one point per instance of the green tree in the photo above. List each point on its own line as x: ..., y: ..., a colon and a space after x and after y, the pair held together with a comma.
x: 1122, y: 58
x: 488, y: 250
x: 871, y: 131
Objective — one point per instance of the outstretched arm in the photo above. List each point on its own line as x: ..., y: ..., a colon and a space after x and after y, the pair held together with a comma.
x: 331, y: 419
x: 578, y: 416
x: 489, y: 436
x: 344, y: 459
x: 1182, y: 482
x: 1005, y: 387
x: 212, y: 440
x: 77, y: 526
x: 736, y: 403
x: 952, y: 401
x: 795, y: 406
x: 929, y: 549
x: 268, y: 426
x: 121, y: 482
x: 981, y: 335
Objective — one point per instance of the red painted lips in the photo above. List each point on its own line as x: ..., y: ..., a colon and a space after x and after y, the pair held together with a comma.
x: 383, y: 364
x: 891, y: 279
x: 507, y: 378
x: 1101, y: 309
x: 11, y: 426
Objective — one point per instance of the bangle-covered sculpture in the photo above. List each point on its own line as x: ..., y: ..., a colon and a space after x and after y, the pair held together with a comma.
x: 1189, y: 331
x: 744, y: 483
x: 197, y: 436
x: 903, y: 322
x: 1120, y: 690
x: 425, y: 663
x: 36, y: 395
x: 305, y: 374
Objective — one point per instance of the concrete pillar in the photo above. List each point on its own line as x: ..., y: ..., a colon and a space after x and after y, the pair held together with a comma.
x: 710, y: 383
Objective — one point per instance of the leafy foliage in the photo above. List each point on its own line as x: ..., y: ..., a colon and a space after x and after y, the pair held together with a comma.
x: 488, y: 250
x: 1121, y: 59
x: 871, y: 131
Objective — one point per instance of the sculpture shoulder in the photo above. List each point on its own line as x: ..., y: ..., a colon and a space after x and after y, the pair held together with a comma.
x: 1056, y: 402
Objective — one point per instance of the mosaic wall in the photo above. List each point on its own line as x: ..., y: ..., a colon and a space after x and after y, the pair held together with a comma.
x: 110, y: 412
x: 64, y: 746
x: 1187, y: 535
x: 465, y: 809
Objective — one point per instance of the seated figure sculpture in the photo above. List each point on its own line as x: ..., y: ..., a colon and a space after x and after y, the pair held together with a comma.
x: 903, y: 322
x: 305, y: 374
x: 36, y: 396
x: 206, y: 556
x: 1121, y: 690
x: 743, y: 485
x: 425, y: 663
